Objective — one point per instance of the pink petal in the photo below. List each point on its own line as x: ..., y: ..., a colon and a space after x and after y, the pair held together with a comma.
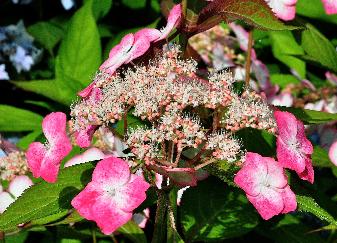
x: 108, y: 217
x: 289, y: 199
x: 85, y: 200
x: 91, y: 154
x: 173, y: 21
x: 46, y: 163
x: 308, y: 173
x: 284, y: 9
x: 140, y: 46
x: 117, y: 55
x: 276, y: 173
x: 253, y: 170
x: 87, y: 91
x: 83, y: 137
x: 35, y: 154
x: 292, y: 144
x: 111, y: 170
x: 333, y: 153
x: 330, y: 6
x: 269, y: 203
x: 149, y: 33
x: 19, y: 184
x: 5, y: 201
x: 134, y: 193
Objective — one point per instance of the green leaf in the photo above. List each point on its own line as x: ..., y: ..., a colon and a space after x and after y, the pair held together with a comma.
x: 257, y: 141
x: 14, y: 119
x: 132, y: 231
x: 17, y: 238
x: 289, y: 229
x: 285, y: 47
x: 101, y: 8
x: 254, y: 12
x: 56, y: 90
x: 319, y: 48
x: 47, y: 34
x: 28, y: 139
x: 309, y: 205
x: 310, y: 116
x: 283, y: 79
x: 133, y: 122
x: 71, y: 218
x: 314, y: 9
x: 45, y: 199
x: 50, y: 218
x: 212, y: 212
x: 320, y: 158
x: 80, y: 51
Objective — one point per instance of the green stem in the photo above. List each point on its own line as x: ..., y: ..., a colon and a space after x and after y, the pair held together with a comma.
x: 249, y: 57
x: 159, y: 234
x: 183, y: 39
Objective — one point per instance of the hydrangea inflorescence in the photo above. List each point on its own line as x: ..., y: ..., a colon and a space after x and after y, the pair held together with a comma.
x: 186, y: 122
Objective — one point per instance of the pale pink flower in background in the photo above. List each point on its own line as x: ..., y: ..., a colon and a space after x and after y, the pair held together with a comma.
x: 283, y: 99
x: 333, y: 153
x: 91, y: 154
x: 332, y: 78
x: 317, y: 106
x: 242, y: 36
x: 44, y: 160
x: 284, y: 9
x: 142, y: 218
x: 293, y: 148
x: 266, y: 186
x: 112, y: 195
x: 15, y: 189
x: 180, y: 176
x: 330, y: 6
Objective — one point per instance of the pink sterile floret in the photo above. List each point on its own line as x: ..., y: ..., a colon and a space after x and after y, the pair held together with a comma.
x: 44, y: 160
x: 84, y: 136
x: 112, y: 195
x: 330, y: 6
x: 135, y: 45
x: 284, y: 9
x: 266, y: 186
x: 293, y: 148
x: 16, y: 187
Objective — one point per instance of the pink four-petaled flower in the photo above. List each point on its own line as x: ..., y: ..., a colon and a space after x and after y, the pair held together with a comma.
x: 293, y: 148
x: 266, y: 186
x: 44, y: 160
x: 112, y: 195
x: 330, y: 6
